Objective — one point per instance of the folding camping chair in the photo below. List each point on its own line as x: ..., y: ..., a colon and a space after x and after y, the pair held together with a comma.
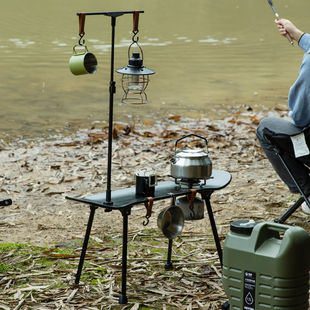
x: 298, y: 146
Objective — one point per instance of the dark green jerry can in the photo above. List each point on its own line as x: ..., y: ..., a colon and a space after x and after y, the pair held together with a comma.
x: 266, y: 266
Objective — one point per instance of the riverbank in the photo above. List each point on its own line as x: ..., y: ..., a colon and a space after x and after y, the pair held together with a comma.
x: 37, y: 176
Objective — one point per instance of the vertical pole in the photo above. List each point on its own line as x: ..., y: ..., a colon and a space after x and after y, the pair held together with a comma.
x: 123, y: 297
x: 85, y: 243
x: 112, y: 91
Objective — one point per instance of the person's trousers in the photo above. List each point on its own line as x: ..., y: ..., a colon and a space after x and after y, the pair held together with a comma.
x: 297, y: 167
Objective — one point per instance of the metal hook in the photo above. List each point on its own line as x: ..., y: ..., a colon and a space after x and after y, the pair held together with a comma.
x: 135, y: 32
x: 191, y: 197
x: 191, y: 207
x: 146, y: 221
x: 80, y: 40
x: 135, y: 41
x: 148, y: 205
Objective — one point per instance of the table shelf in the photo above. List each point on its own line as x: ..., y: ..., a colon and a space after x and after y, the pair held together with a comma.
x: 126, y: 197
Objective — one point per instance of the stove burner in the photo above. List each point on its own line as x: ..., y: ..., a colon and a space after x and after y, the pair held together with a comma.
x: 190, y: 182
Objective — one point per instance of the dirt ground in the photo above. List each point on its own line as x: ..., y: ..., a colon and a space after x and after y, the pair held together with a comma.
x: 37, y: 176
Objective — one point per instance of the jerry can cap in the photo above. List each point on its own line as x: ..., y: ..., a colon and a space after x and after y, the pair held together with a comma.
x: 242, y: 226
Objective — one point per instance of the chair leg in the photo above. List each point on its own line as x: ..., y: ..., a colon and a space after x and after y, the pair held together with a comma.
x: 290, y: 211
x: 298, y: 203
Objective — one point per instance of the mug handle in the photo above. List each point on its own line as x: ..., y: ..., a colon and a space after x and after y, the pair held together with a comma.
x: 77, y: 45
x: 150, y: 180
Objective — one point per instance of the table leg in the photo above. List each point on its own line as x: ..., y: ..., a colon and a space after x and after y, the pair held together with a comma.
x: 168, y: 265
x: 123, y: 297
x: 206, y: 197
x: 86, y: 238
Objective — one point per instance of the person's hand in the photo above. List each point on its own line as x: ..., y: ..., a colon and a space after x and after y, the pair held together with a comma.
x: 287, y: 27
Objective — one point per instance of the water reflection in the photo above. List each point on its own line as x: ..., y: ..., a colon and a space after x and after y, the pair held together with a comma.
x: 207, y: 55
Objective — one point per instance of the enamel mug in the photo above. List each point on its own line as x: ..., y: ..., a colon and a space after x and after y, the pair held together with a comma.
x: 82, y: 62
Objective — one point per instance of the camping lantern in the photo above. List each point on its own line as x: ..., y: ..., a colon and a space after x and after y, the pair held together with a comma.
x: 135, y: 77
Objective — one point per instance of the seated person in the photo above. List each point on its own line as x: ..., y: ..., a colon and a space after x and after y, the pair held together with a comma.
x: 299, y: 106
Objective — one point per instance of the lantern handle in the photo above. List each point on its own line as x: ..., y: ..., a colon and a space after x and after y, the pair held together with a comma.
x: 135, y: 42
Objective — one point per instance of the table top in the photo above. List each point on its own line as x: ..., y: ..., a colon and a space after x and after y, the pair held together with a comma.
x: 126, y: 197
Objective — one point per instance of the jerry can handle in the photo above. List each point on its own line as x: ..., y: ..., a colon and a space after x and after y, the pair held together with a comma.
x: 277, y: 227
x: 264, y: 231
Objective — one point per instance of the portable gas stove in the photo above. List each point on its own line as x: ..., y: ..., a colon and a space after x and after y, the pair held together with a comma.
x: 190, y: 182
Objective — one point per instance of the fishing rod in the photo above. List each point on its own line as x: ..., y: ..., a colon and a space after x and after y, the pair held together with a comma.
x: 278, y: 17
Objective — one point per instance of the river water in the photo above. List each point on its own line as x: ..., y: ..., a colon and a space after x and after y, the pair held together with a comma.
x: 208, y: 56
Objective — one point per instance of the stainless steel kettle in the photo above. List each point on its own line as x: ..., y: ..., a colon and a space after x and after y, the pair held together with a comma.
x: 191, y: 163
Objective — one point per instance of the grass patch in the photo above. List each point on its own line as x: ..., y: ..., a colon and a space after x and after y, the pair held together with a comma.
x: 45, y: 276
x: 6, y: 247
x: 4, y: 268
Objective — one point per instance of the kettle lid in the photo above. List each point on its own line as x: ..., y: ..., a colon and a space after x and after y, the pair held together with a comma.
x: 191, y: 153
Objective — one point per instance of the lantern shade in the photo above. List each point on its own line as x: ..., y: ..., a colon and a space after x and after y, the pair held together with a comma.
x: 135, y: 71
x: 135, y: 66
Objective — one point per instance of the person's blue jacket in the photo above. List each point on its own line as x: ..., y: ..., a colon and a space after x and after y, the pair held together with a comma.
x: 299, y: 94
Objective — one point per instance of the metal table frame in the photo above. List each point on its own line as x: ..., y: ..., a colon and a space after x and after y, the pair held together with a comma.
x: 124, y: 199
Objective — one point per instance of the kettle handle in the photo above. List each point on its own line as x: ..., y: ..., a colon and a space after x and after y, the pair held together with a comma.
x: 190, y: 135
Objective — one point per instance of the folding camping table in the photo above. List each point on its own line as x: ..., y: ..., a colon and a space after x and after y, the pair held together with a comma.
x: 124, y: 199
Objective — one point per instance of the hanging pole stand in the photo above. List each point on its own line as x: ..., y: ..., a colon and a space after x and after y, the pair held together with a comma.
x: 112, y: 90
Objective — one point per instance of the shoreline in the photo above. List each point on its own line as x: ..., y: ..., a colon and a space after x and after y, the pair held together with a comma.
x: 25, y: 132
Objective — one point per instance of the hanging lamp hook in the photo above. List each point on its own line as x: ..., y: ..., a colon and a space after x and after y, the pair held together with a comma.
x: 134, y: 39
x: 135, y: 31
x: 135, y: 28
x: 81, y: 28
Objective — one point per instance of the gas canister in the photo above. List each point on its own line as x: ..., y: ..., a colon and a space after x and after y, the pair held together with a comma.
x: 266, y: 266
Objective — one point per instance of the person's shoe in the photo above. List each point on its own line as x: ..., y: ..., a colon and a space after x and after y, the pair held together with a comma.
x: 304, y: 207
